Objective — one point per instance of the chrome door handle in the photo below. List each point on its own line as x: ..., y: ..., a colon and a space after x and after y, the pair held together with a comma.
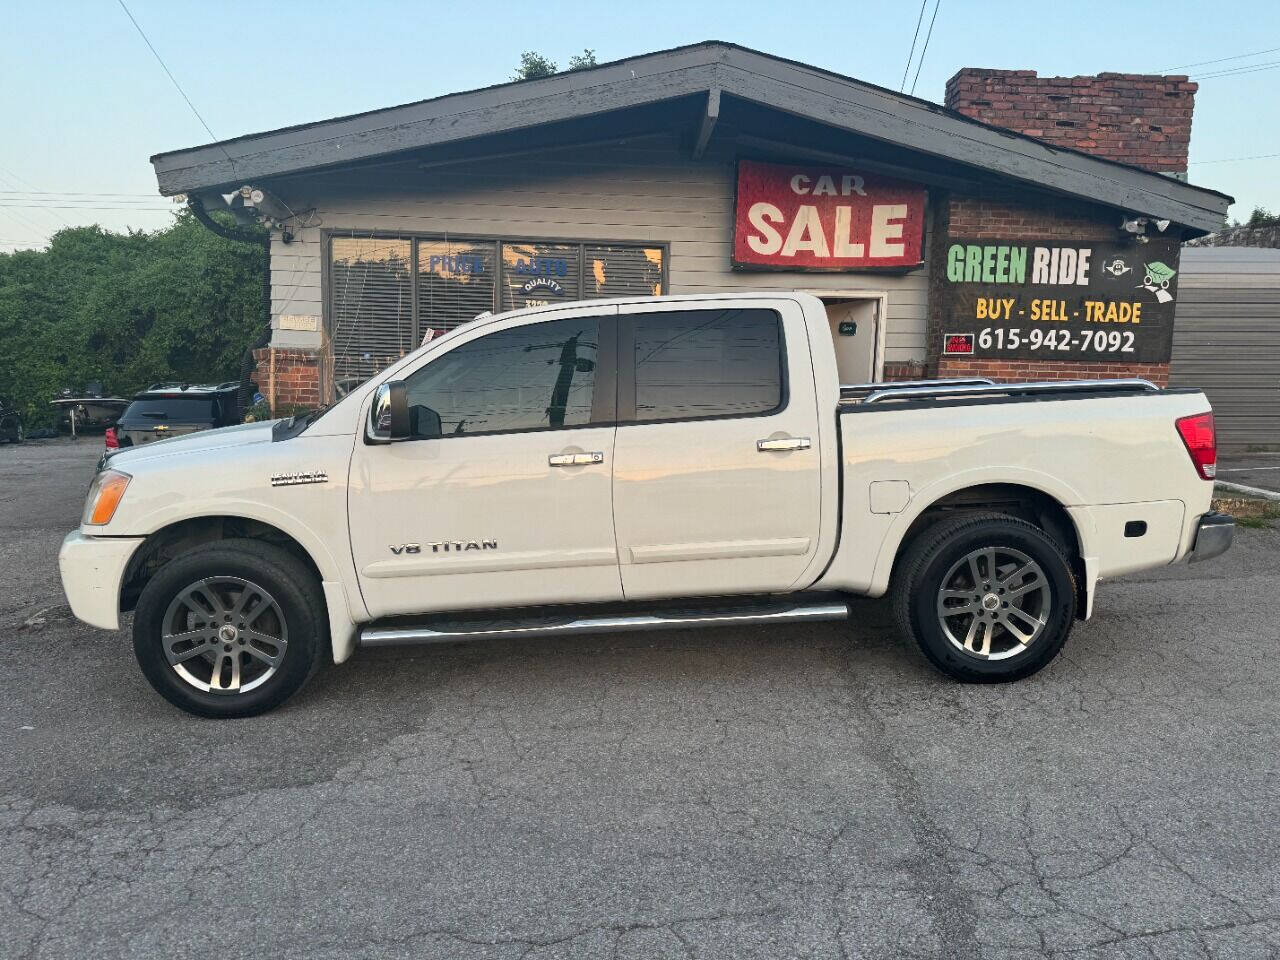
x: 575, y: 459
x: 784, y: 443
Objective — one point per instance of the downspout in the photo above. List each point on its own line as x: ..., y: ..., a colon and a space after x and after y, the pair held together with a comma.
x: 196, y: 205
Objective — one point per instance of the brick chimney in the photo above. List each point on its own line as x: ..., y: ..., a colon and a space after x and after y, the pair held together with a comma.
x: 1142, y: 119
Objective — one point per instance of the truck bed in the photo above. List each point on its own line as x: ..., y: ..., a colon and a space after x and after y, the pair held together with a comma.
x: 1106, y: 451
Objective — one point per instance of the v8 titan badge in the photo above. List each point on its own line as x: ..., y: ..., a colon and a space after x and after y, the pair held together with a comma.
x: 1043, y: 300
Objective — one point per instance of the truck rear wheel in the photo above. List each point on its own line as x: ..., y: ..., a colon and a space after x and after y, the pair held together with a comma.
x: 231, y: 629
x: 988, y: 598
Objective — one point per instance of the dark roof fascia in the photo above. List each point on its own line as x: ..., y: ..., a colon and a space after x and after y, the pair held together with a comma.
x: 810, y: 92
x: 456, y: 116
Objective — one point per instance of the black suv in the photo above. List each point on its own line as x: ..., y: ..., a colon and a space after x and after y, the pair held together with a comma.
x: 10, y: 425
x: 172, y: 409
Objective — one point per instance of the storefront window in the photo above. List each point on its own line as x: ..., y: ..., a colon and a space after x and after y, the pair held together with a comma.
x: 616, y: 271
x: 456, y: 281
x: 372, y: 318
x: 536, y: 274
x: 386, y: 293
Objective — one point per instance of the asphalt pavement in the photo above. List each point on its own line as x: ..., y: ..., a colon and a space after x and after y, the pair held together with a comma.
x: 810, y: 791
x: 1254, y: 471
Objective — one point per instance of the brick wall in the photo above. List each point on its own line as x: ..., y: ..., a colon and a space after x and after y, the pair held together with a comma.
x: 907, y: 370
x: 1142, y: 119
x: 1003, y: 214
x: 289, y: 379
x: 1024, y: 371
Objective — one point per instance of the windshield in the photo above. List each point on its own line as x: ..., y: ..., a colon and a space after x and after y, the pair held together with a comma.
x: 171, y: 409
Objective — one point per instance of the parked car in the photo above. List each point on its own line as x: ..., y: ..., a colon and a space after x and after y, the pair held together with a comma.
x: 629, y: 464
x: 10, y: 423
x: 167, y: 410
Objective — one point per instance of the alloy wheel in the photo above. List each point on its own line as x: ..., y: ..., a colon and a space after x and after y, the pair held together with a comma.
x: 224, y: 635
x: 994, y: 603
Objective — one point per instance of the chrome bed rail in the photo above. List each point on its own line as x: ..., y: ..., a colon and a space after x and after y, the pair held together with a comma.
x: 853, y: 392
x: 937, y: 389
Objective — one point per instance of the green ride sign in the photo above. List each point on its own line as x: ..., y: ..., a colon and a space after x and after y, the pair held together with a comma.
x: 1042, y: 300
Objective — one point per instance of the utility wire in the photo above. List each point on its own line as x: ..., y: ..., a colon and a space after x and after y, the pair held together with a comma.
x: 68, y: 193
x: 176, y: 85
x: 76, y: 201
x: 912, y: 53
x: 1205, y: 63
x: 925, y: 48
x: 12, y: 179
x: 7, y: 205
x: 1236, y: 71
x: 1258, y: 156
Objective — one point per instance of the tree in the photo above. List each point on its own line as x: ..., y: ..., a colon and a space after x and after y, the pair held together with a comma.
x: 534, y: 65
x: 1262, y: 217
x: 125, y: 309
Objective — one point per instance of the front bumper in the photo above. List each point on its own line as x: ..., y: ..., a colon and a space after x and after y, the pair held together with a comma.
x: 1214, y: 534
x: 92, y: 569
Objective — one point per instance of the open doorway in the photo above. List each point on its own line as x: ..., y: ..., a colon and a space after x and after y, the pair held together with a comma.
x: 857, y: 330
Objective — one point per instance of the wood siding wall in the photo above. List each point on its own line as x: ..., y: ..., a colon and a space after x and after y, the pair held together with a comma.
x: 645, y: 189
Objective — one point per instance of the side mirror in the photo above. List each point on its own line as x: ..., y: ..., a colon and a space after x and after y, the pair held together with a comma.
x: 389, y: 416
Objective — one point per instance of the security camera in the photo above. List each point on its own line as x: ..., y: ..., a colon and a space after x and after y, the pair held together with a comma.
x: 268, y: 206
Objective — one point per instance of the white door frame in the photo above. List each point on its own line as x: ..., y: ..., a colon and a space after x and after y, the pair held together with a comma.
x: 877, y: 362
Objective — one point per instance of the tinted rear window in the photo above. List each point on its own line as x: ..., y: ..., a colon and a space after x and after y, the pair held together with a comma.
x: 164, y: 410
x: 707, y: 363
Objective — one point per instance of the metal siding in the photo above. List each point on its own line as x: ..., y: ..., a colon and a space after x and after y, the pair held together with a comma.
x: 643, y: 190
x: 1226, y: 340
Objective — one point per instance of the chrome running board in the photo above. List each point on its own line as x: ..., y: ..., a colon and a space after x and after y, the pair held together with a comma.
x: 507, y: 629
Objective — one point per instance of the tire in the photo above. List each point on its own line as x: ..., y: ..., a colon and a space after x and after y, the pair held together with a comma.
x: 209, y: 658
x: 1008, y: 627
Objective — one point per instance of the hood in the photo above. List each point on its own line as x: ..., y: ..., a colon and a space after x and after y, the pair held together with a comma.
x: 238, y: 436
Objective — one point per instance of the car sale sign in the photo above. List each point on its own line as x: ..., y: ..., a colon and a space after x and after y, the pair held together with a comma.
x: 825, y: 218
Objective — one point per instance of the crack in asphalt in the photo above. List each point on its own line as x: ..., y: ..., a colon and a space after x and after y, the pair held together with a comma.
x: 755, y: 794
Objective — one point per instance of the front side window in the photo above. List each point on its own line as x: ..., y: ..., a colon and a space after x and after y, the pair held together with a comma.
x: 691, y: 364
x: 535, y: 377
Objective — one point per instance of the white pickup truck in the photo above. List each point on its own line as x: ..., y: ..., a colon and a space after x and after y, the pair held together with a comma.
x: 627, y: 464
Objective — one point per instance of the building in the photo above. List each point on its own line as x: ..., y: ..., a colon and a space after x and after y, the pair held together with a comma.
x: 1042, y: 244
x: 1227, y: 339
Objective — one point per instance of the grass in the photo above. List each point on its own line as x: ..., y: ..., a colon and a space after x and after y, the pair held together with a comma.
x: 1258, y: 523
x: 1254, y: 513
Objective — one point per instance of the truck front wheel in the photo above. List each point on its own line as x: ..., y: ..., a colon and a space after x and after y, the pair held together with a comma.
x: 231, y: 629
x: 988, y: 598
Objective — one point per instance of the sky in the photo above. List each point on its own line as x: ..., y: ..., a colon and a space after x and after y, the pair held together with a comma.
x: 85, y: 103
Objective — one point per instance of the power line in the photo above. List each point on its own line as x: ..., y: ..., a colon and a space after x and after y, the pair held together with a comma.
x: 1257, y: 156
x: 912, y: 53
x: 29, y: 224
x: 1236, y: 71
x: 69, y: 193
x: 9, y: 205
x: 12, y: 179
x: 925, y: 49
x: 1205, y: 63
x: 170, y: 75
x: 74, y: 201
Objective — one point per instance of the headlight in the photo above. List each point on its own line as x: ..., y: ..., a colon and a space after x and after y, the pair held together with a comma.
x: 104, y: 496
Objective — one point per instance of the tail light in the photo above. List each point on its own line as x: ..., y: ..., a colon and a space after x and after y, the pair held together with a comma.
x: 1201, y: 441
x: 113, y: 442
